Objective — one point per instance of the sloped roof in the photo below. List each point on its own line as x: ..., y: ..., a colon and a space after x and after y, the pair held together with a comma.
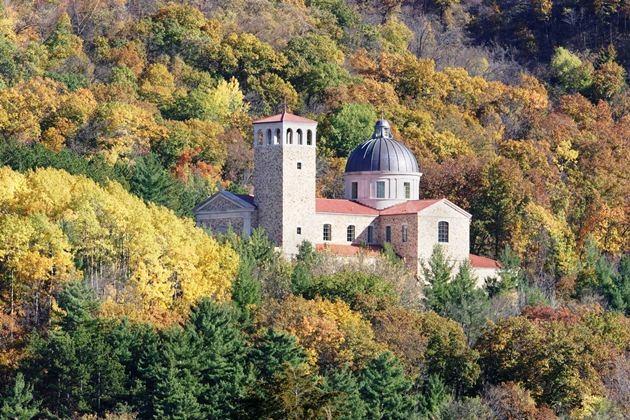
x: 247, y: 198
x: 478, y: 261
x: 349, y: 250
x: 243, y: 201
x: 330, y: 205
x: 285, y: 116
x: 411, y: 206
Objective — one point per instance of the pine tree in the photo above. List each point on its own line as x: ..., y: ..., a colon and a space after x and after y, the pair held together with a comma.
x: 385, y: 389
x: 434, y: 398
x: 467, y: 304
x: 19, y: 404
x: 246, y: 290
x: 345, y: 395
x: 270, y: 356
x: 510, y: 273
x: 152, y: 182
x: 220, y: 347
x: 438, y: 275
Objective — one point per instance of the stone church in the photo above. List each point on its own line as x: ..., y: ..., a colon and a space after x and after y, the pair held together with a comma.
x: 382, y: 200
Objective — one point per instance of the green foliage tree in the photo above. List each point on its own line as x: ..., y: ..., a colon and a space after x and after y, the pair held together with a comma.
x: 152, y: 182
x: 434, y: 398
x: 437, y: 273
x: 349, y: 126
x: 510, y: 274
x: 343, y: 389
x: 386, y: 389
x: 572, y: 74
x: 19, y: 403
x: 467, y: 303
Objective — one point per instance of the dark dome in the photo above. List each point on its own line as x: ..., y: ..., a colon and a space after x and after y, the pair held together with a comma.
x: 382, y: 153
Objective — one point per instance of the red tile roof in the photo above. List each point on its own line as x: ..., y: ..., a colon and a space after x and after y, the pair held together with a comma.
x: 478, y: 261
x: 411, y: 206
x: 329, y: 205
x: 285, y: 116
x: 349, y: 250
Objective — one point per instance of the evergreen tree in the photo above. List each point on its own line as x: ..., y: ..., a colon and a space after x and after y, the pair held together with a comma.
x: 510, y: 273
x: 219, y: 344
x: 152, y: 182
x: 467, y: 304
x: 301, y: 279
x: 172, y: 372
x: 74, y: 368
x: 19, y: 403
x: 434, y: 397
x: 385, y: 389
x: 437, y: 274
x: 345, y: 395
x: 246, y: 289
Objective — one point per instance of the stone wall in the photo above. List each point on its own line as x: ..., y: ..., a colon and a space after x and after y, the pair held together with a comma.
x: 458, y: 245
x: 268, y: 190
x: 221, y: 225
x: 339, y: 227
x: 407, y: 250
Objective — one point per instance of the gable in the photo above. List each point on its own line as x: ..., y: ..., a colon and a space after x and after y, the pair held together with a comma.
x: 223, y: 201
x: 444, y: 208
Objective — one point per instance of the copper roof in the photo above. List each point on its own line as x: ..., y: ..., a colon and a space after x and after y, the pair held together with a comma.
x: 285, y: 116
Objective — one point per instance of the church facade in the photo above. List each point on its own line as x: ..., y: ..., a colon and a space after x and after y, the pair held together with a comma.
x: 381, y: 200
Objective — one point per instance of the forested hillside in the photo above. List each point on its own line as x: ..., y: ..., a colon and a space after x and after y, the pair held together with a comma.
x: 118, y: 117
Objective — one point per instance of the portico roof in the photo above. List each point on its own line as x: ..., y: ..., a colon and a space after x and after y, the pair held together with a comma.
x: 284, y: 116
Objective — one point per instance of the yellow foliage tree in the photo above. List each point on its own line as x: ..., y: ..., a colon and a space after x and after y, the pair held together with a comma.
x: 144, y: 262
x: 331, y: 333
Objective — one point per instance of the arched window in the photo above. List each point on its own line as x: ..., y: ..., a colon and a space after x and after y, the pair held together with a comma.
x: 327, y: 233
x: 269, y: 136
x: 260, y: 137
x: 309, y: 137
x: 350, y: 233
x: 299, y: 136
x: 289, y: 136
x: 276, y: 139
x: 442, y: 231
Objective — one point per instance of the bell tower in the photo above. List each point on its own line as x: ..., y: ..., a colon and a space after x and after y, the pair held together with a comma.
x: 284, y: 179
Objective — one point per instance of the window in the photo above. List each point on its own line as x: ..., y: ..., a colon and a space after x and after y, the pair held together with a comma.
x: 327, y: 232
x: 407, y: 186
x: 309, y: 137
x: 370, y: 234
x: 289, y: 136
x: 299, y: 136
x: 388, y: 233
x: 276, y: 139
x: 443, y: 232
x: 269, y: 136
x: 299, y: 165
x: 299, y: 230
x: 380, y: 189
x: 350, y: 233
x: 355, y: 190
x: 260, y: 137
x: 404, y: 233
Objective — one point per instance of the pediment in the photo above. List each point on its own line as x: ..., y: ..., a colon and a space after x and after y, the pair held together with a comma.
x: 223, y: 201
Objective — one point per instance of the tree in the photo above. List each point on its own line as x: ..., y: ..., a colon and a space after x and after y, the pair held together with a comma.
x: 351, y: 125
x: 437, y: 275
x: 246, y: 289
x: 571, y: 73
x: 385, y: 388
x: 434, y: 398
x: 467, y: 304
x: 345, y: 397
x: 19, y: 403
x: 152, y: 182
x: 220, y: 353
x: 510, y: 274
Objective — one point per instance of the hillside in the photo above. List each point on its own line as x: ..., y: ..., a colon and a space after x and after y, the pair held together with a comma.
x: 118, y: 117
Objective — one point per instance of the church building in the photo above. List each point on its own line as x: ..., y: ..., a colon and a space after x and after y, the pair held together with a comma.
x: 381, y: 200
